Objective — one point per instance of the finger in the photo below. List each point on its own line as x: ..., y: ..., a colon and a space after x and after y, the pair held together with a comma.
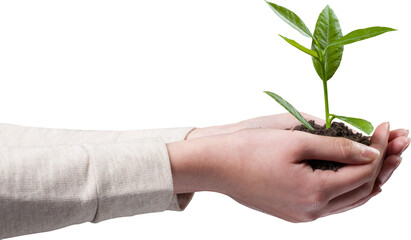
x: 388, y: 167
x: 398, y: 145
x: 349, y: 198
x: 380, y: 139
x: 351, y: 177
x: 398, y: 133
x: 359, y: 203
x: 380, y: 142
x: 335, y: 149
x: 280, y: 121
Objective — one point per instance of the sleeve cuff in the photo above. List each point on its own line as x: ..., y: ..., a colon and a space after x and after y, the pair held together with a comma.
x: 132, y: 177
x: 180, y: 201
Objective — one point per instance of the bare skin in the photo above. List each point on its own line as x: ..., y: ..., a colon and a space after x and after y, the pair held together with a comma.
x: 254, y: 162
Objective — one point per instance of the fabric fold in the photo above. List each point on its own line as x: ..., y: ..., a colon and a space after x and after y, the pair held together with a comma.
x: 52, y: 178
x: 13, y: 135
x: 132, y: 177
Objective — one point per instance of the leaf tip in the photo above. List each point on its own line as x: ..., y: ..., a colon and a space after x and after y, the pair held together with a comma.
x: 390, y: 29
x: 329, y: 9
x: 269, y: 3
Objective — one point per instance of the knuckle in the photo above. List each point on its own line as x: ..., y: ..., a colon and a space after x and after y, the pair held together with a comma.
x: 369, y: 174
x: 309, y: 216
x: 301, y: 145
x: 320, y: 190
x: 317, y: 200
x: 368, y: 189
x: 345, y: 147
x: 316, y: 197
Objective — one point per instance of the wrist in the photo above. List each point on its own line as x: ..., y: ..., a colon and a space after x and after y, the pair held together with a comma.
x: 189, y: 166
x: 201, y: 164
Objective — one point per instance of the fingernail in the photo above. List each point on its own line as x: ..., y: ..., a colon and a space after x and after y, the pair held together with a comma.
x: 379, y: 190
x: 399, y: 162
x: 387, y: 126
x: 369, y: 153
x: 407, y: 132
x: 405, y: 147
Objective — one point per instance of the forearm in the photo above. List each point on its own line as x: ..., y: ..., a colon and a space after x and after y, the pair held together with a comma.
x: 22, y: 136
x: 46, y: 188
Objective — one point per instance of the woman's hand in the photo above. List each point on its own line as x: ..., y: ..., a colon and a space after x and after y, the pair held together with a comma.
x: 398, y: 141
x: 279, y: 121
x: 265, y: 170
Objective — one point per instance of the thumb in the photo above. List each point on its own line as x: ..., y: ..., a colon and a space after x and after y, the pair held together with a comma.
x: 337, y: 149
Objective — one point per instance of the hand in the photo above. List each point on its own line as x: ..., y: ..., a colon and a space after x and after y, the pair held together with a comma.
x: 279, y: 121
x: 398, y: 141
x: 261, y: 169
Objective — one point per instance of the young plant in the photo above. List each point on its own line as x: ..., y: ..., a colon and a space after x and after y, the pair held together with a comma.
x: 326, y: 52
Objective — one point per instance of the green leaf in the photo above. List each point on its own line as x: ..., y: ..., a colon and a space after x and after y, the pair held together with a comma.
x: 327, y: 30
x: 290, y: 109
x: 299, y: 46
x: 359, y: 35
x: 291, y: 18
x: 359, y: 123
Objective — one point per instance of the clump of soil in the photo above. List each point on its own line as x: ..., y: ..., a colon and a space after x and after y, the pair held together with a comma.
x: 337, y: 129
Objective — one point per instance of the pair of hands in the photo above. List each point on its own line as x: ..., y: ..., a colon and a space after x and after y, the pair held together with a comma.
x: 261, y: 165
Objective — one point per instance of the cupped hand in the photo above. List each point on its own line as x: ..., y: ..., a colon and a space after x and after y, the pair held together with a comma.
x: 265, y: 169
x: 398, y: 141
x: 304, y: 195
x: 278, y: 121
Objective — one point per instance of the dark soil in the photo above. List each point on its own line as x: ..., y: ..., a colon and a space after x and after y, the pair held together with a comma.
x: 337, y: 129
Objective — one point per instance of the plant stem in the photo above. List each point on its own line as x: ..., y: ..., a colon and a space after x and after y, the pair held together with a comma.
x: 327, y: 110
x: 321, y: 55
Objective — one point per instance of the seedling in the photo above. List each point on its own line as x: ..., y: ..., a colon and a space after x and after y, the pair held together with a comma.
x: 326, y: 51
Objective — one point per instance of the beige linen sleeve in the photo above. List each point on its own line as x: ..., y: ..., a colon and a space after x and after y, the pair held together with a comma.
x: 52, y: 178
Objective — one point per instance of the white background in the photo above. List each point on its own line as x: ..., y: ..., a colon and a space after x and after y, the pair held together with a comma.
x: 122, y: 65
